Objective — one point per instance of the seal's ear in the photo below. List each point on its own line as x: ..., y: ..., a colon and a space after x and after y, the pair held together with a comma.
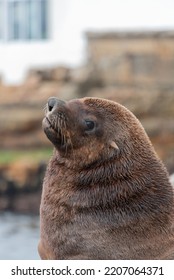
x: 113, y: 145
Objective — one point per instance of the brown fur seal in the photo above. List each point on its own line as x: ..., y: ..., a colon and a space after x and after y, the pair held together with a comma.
x: 106, y: 194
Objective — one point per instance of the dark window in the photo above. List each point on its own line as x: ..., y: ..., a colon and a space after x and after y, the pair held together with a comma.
x: 1, y: 20
x: 25, y: 19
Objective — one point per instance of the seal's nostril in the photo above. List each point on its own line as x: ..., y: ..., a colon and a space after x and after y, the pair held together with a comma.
x: 54, y: 103
x: 51, y: 104
x: 50, y: 108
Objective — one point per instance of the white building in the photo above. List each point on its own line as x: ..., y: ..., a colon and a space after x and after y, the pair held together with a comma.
x: 47, y: 33
x: 31, y: 36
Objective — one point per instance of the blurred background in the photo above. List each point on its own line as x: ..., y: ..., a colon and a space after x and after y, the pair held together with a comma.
x: 120, y: 50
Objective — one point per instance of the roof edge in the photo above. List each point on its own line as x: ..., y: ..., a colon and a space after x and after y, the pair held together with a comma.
x: 129, y: 34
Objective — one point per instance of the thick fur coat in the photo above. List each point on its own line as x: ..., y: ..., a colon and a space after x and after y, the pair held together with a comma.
x: 106, y: 194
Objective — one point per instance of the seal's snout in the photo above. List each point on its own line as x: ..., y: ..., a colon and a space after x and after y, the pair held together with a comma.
x: 54, y: 103
x: 51, y: 103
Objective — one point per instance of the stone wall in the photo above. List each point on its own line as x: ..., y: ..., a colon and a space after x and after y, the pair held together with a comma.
x: 129, y: 58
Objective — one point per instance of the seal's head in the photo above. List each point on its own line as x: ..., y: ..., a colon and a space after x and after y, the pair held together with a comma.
x: 69, y: 124
x: 91, y: 129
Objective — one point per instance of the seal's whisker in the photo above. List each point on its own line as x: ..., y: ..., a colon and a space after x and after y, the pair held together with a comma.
x: 65, y: 136
x: 62, y: 134
x: 57, y: 123
x: 54, y: 123
x: 66, y: 147
x: 65, y: 124
x: 59, y: 126
x: 62, y: 137
x: 45, y: 109
x: 64, y: 140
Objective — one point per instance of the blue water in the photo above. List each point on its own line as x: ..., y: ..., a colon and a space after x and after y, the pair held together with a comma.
x: 19, y: 235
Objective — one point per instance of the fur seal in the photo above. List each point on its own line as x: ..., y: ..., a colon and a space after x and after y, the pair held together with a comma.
x: 106, y: 194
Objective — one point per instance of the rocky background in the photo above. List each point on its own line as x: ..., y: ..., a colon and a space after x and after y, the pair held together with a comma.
x: 134, y: 69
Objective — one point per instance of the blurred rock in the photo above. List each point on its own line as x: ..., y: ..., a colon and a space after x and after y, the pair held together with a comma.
x: 20, y: 186
x: 68, y: 91
x: 129, y: 58
x: 59, y: 74
x: 86, y: 78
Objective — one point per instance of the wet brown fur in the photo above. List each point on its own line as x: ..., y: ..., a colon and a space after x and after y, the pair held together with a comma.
x: 100, y: 202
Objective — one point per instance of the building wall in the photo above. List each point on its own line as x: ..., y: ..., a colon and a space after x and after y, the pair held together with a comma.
x: 17, y: 57
x: 145, y: 58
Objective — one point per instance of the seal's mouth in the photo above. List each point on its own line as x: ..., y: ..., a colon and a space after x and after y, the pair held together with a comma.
x: 48, y: 126
x: 54, y: 131
x: 52, y: 124
x: 49, y: 123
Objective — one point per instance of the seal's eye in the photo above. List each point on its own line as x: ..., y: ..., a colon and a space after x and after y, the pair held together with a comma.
x: 89, y: 125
